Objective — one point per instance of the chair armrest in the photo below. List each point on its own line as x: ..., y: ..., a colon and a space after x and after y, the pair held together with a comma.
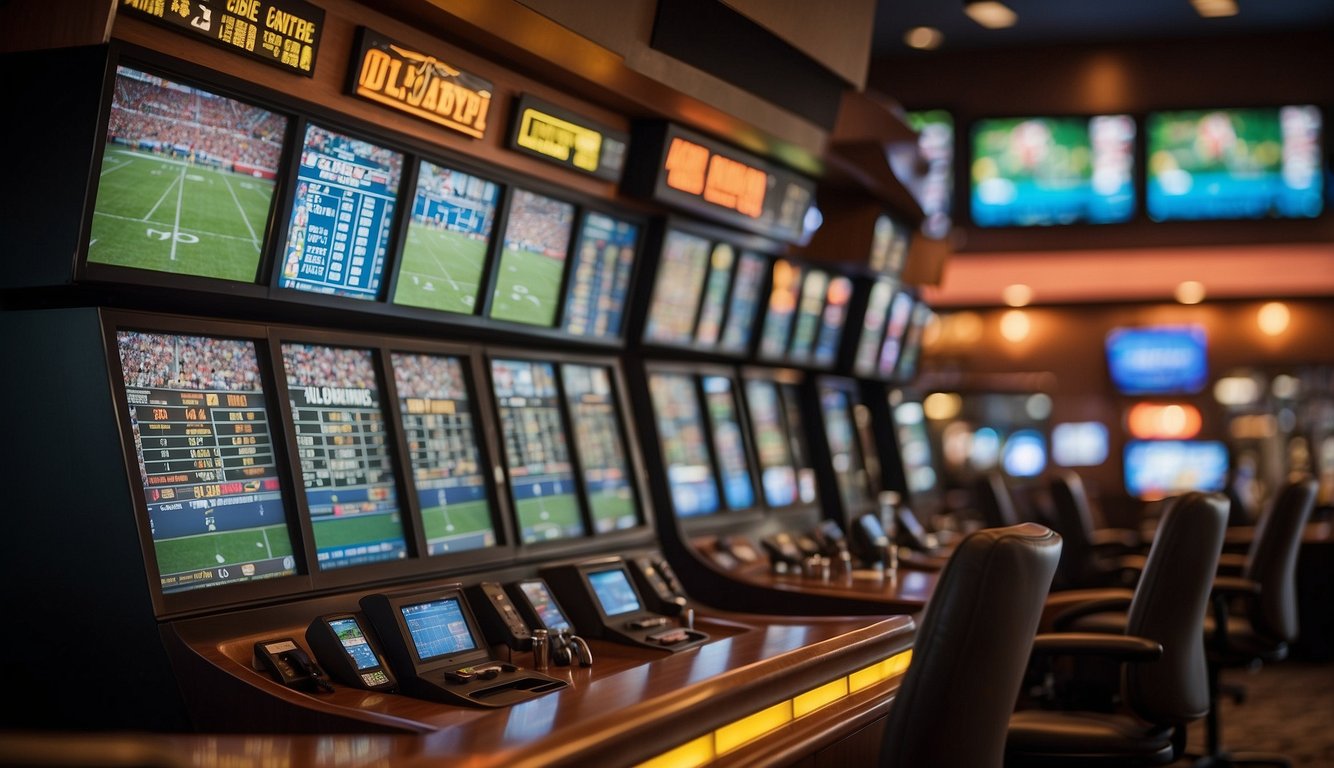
x: 1119, y: 647
x: 1095, y: 601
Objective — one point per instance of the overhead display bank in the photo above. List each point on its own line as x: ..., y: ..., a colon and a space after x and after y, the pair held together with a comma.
x: 282, y: 33
x: 572, y: 141
x: 683, y: 169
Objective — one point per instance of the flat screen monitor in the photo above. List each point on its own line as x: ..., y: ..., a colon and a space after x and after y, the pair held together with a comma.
x: 745, y: 300
x: 1079, y: 443
x: 448, y: 476
x: 1158, y: 360
x: 615, y: 594
x: 677, y: 288
x: 935, y: 141
x: 867, y: 355
x: 914, y: 447
x: 681, y: 437
x: 531, y: 268
x: 346, y: 464
x: 714, y: 304
x: 438, y: 628
x: 342, y: 214
x: 184, y: 196
x: 896, y: 332
x: 783, y: 295
x: 796, y: 436
x: 1024, y: 454
x: 207, y: 468
x: 600, y: 276
x: 1235, y: 163
x: 1156, y: 469
x: 845, y: 449
x: 831, y: 321
x: 599, y: 441
x: 1042, y: 171
x: 544, y: 605
x: 728, y: 443
x: 810, y: 307
x: 912, y: 343
x: 541, y: 478
x: 778, y: 472
x: 444, y: 255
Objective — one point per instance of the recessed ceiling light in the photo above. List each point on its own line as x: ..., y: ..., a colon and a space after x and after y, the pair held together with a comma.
x: 990, y: 13
x: 923, y: 38
x: 1017, y: 295
x: 1211, y: 9
x: 1190, y: 292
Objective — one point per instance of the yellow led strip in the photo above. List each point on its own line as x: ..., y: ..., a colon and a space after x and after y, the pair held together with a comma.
x: 737, y: 733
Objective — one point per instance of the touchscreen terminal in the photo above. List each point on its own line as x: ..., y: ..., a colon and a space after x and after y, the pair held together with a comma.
x: 543, y: 604
x: 614, y: 591
x: 438, y: 628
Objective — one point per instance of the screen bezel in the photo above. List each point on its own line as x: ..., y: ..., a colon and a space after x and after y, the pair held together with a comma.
x: 636, y: 268
x: 496, y: 253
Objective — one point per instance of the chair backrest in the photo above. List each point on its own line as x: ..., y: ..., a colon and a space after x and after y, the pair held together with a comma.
x: 1074, y: 522
x: 1272, y: 560
x: 993, y: 500
x: 970, y: 653
x: 1169, y: 607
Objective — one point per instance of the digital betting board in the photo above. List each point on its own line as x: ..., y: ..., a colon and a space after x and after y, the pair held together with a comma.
x: 728, y: 443
x: 746, y: 286
x: 809, y: 309
x: 676, y: 288
x: 867, y: 354
x: 342, y: 214
x: 778, y: 474
x: 832, y: 320
x: 844, y: 449
x: 188, y: 197
x: 684, y: 451
x: 532, y: 262
x: 796, y: 438
x: 714, y: 302
x: 600, y: 276
x: 541, y: 478
x: 602, y: 454
x: 207, y: 466
x: 347, y: 467
x: 900, y: 313
x: 443, y: 449
x: 444, y: 254
x: 782, y: 307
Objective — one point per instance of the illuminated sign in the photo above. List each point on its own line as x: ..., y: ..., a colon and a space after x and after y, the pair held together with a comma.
x: 419, y: 84
x: 284, y: 33
x: 685, y: 169
x: 575, y: 142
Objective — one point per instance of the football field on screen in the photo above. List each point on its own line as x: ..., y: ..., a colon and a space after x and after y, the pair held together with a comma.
x: 441, y: 269
x: 166, y: 214
x: 527, y: 287
x: 189, y: 553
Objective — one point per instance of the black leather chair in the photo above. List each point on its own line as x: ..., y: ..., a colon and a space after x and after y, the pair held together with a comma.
x: 971, y: 650
x: 1163, y: 679
x: 993, y: 501
x: 1255, y: 615
x: 1090, y: 556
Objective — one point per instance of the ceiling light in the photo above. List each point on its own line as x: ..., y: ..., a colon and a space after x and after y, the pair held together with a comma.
x: 1015, y: 326
x: 1190, y: 292
x: 1212, y: 9
x: 923, y: 38
x: 1017, y: 295
x: 990, y: 13
x: 1273, y: 318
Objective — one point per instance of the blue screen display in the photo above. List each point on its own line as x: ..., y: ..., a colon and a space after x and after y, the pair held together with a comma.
x: 1042, y: 171
x: 1155, y: 469
x: 614, y: 592
x: 1157, y: 360
x: 438, y: 628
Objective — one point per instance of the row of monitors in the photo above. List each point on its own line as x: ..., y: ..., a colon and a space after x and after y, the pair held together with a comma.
x: 189, y: 185
x: 391, y: 446
x: 1202, y: 164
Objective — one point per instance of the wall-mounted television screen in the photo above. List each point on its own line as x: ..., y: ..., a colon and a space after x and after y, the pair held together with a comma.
x: 728, y: 443
x: 714, y: 303
x: 531, y: 267
x: 346, y: 464
x: 1079, y: 443
x: 912, y: 343
x: 444, y: 254
x: 443, y: 449
x: 1235, y: 163
x: 783, y: 293
x: 935, y: 140
x: 1158, y: 360
x: 601, y: 447
x: 796, y: 438
x: 896, y: 331
x: 810, y: 307
x: 1156, y: 469
x: 744, y: 301
x: 845, y: 449
x: 778, y: 472
x: 541, y: 478
x: 204, y: 442
x: 342, y: 213
x: 185, y: 196
x: 677, y: 287
x: 914, y: 446
x: 600, y: 276
x: 1042, y: 171
x: 681, y: 436
x: 1024, y: 453
x: 831, y: 321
